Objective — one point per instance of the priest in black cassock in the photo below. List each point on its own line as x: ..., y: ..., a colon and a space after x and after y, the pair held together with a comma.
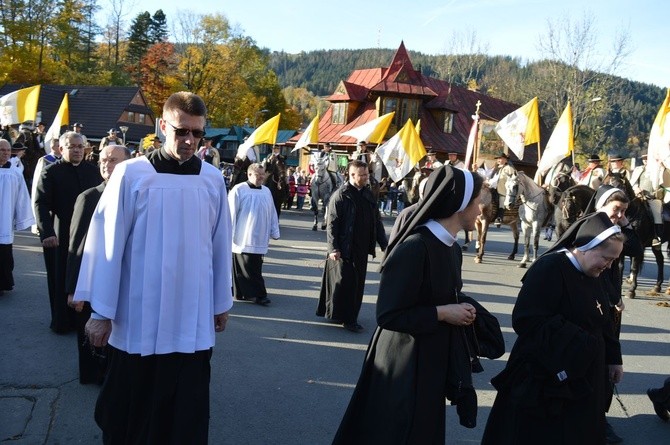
x: 554, y: 387
x: 353, y: 229
x: 92, y: 360
x: 418, y: 355
x: 57, y: 189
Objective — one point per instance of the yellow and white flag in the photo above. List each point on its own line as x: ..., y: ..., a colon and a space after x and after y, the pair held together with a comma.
x: 400, y: 153
x: 265, y: 134
x: 373, y: 131
x: 62, y: 118
x: 658, y: 154
x: 19, y: 106
x: 520, y: 128
x: 309, y: 136
x: 561, y: 142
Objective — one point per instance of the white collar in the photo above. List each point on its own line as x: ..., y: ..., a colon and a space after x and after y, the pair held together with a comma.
x: 440, y: 232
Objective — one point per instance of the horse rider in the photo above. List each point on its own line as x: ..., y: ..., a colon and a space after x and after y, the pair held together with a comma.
x: 361, y: 153
x: 503, y: 171
x: 616, y: 166
x: 454, y: 161
x: 643, y: 187
x: 327, y: 158
x: 594, y: 174
x: 432, y: 161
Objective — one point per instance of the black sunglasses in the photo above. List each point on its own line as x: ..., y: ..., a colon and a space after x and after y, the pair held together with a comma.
x: 181, y: 132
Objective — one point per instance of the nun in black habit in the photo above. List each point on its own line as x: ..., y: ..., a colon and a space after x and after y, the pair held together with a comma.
x: 418, y: 354
x: 554, y: 387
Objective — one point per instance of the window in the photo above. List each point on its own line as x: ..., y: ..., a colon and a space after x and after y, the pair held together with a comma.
x: 141, y: 118
x: 131, y: 116
x: 448, y: 121
x: 339, y: 113
x: 404, y: 109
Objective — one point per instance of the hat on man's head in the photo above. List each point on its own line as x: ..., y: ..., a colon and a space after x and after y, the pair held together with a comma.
x: 593, y: 157
x: 18, y: 146
x: 156, y: 138
x: 362, y: 143
x: 615, y: 157
x: 112, y: 131
x: 77, y: 124
x: 431, y: 153
x: 502, y: 154
x: 452, y: 152
x: 643, y: 155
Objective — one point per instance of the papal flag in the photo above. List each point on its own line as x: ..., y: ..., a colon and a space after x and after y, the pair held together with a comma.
x: 561, y: 142
x: 19, y: 106
x: 373, y: 131
x: 265, y: 134
x: 309, y: 136
x: 400, y: 153
x: 62, y: 118
x: 658, y: 154
x: 520, y: 128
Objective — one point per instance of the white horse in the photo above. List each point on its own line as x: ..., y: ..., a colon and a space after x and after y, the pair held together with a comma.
x: 534, y: 210
x: 323, y: 184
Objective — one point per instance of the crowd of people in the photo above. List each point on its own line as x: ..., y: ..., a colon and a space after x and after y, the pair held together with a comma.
x: 145, y: 256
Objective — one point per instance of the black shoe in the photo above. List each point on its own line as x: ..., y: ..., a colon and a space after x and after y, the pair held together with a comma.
x: 660, y: 407
x: 610, y: 435
x: 263, y: 301
x: 353, y: 327
x: 497, y: 222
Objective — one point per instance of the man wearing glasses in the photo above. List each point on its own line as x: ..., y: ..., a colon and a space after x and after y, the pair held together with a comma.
x: 156, y: 270
x: 57, y: 189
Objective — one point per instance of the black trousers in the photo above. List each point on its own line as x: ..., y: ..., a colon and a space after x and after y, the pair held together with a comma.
x: 155, y: 399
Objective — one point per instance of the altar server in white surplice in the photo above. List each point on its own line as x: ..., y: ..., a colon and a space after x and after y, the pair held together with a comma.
x: 255, y: 221
x: 157, y: 271
x: 15, y: 213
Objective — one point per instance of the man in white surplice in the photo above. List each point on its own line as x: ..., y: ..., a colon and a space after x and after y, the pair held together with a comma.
x: 157, y: 271
x: 255, y: 221
x: 15, y: 213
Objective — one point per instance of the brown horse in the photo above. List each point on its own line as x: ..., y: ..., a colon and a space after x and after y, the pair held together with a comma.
x: 489, y: 208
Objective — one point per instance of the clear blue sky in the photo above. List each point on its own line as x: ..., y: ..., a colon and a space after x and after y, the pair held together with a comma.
x: 507, y: 27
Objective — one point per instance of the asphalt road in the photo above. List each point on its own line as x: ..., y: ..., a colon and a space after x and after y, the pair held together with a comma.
x: 281, y: 375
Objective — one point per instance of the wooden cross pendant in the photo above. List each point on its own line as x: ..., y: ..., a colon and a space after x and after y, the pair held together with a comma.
x: 599, y: 306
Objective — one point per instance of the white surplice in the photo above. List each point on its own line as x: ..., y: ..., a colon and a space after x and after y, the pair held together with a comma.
x: 157, y: 258
x: 15, y: 209
x: 254, y: 217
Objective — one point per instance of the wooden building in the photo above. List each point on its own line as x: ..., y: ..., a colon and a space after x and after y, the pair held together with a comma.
x: 445, y: 110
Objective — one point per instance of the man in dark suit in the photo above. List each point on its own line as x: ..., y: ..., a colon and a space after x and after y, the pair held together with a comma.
x: 92, y: 362
x: 58, y: 187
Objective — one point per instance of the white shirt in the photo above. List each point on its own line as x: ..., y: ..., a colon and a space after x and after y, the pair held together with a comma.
x: 157, y: 258
x: 254, y: 219
x: 15, y: 208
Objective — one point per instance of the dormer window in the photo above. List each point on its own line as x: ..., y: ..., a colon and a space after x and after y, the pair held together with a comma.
x: 339, y: 113
x: 448, y: 122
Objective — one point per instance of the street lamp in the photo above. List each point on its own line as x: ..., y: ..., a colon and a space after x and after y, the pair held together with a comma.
x: 257, y: 114
x: 124, y: 129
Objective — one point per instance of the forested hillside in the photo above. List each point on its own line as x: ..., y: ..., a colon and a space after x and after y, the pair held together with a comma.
x: 611, y: 113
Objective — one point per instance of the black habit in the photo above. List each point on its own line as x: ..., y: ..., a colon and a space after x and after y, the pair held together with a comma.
x: 92, y: 360
x: 554, y: 387
x: 57, y: 189
x: 413, y: 361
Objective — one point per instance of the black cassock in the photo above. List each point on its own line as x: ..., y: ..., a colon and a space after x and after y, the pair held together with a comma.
x: 57, y: 190
x: 554, y: 387
x: 92, y: 361
x: 413, y: 359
